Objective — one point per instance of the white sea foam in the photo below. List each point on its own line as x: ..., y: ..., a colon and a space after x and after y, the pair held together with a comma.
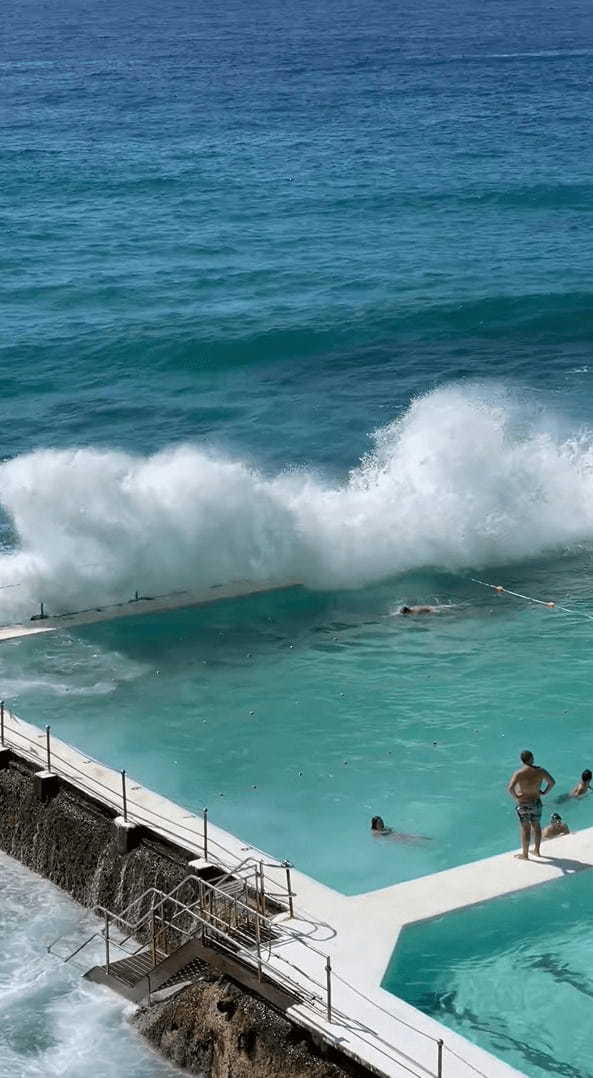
x: 466, y: 477
x: 54, y: 1025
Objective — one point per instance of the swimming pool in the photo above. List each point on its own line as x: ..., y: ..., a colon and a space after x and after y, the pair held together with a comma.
x: 514, y: 975
x: 301, y: 714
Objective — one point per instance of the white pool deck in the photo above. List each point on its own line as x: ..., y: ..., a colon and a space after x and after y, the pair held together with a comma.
x: 136, y: 607
x: 359, y: 933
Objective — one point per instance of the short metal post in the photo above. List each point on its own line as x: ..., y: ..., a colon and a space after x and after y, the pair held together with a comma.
x: 205, y: 817
x: 2, y: 723
x: 136, y: 596
x: 328, y: 978
x: 47, y: 737
x: 289, y: 888
x: 106, y: 941
x: 439, y: 1059
x: 41, y: 611
x: 124, y: 796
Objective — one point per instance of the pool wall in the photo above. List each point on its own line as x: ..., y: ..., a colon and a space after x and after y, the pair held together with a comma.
x: 334, y: 945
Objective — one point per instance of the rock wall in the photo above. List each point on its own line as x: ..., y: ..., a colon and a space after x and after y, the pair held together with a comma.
x: 71, y: 841
x: 215, y: 1030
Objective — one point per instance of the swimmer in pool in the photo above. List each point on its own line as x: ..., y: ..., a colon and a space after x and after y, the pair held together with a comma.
x: 583, y: 786
x: 417, y: 610
x: 379, y: 830
x: 555, y: 827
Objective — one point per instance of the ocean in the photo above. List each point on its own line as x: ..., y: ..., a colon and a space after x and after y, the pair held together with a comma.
x: 303, y: 293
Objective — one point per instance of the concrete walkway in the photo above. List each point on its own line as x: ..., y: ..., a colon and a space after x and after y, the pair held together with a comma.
x: 357, y: 933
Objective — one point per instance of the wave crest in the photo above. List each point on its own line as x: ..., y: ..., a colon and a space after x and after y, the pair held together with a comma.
x: 465, y: 478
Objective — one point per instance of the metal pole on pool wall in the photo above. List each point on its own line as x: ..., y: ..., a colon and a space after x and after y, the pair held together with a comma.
x: 47, y: 744
x: 328, y: 978
x: 205, y: 817
x: 2, y: 723
x: 439, y: 1059
x: 123, y: 795
x: 288, y: 867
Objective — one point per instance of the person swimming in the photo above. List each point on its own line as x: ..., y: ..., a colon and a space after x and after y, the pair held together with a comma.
x: 583, y: 786
x: 417, y: 610
x: 379, y: 830
x: 556, y: 827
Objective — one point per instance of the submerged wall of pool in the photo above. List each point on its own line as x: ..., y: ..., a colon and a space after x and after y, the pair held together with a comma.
x: 514, y: 975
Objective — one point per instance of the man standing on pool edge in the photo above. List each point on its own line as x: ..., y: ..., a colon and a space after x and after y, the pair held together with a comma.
x: 526, y: 789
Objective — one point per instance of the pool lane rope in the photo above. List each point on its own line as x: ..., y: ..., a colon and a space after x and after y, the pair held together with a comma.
x: 530, y: 599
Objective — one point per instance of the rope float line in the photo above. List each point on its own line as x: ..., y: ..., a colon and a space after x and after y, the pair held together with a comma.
x: 530, y: 599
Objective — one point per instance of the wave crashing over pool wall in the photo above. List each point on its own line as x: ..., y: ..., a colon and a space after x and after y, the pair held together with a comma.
x: 468, y: 476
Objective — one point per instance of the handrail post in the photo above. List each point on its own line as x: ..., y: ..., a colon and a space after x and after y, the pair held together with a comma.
x: 205, y: 818
x: 262, y: 887
x: 153, y: 930
x: 328, y: 980
x: 47, y: 745
x: 107, y: 941
x: 202, y: 914
x: 288, y: 866
x: 258, y: 941
x: 2, y: 723
x: 124, y: 796
x: 439, y: 1059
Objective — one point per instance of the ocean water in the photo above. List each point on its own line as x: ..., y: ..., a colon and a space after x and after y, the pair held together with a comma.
x: 512, y: 975
x: 54, y: 1024
x: 303, y: 292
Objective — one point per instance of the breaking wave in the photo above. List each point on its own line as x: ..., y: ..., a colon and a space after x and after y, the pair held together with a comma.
x: 468, y: 476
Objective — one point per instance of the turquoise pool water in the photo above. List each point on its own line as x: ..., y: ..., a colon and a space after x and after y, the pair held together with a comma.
x: 299, y: 715
x: 514, y: 975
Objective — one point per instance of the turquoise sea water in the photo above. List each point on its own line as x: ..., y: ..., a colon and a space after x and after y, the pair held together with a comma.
x: 303, y: 292
x: 513, y: 975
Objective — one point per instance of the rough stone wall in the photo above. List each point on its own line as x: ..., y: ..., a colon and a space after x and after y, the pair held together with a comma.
x: 71, y: 841
x: 215, y: 1030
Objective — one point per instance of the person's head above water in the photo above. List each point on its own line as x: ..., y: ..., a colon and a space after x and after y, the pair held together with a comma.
x: 406, y: 610
x: 555, y: 818
x: 377, y: 824
x: 586, y: 776
x: 527, y: 756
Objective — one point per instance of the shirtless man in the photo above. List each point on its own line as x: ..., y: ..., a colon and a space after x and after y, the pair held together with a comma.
x: 526, y: 789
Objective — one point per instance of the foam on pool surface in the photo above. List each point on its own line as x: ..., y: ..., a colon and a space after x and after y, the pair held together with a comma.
x: 514, y: 975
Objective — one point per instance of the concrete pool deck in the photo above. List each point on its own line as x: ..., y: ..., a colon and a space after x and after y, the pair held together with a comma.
x: 358, y: 933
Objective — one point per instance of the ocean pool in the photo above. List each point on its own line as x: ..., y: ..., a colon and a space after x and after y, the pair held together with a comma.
x: 300, y: 714
x: 514, y: 975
